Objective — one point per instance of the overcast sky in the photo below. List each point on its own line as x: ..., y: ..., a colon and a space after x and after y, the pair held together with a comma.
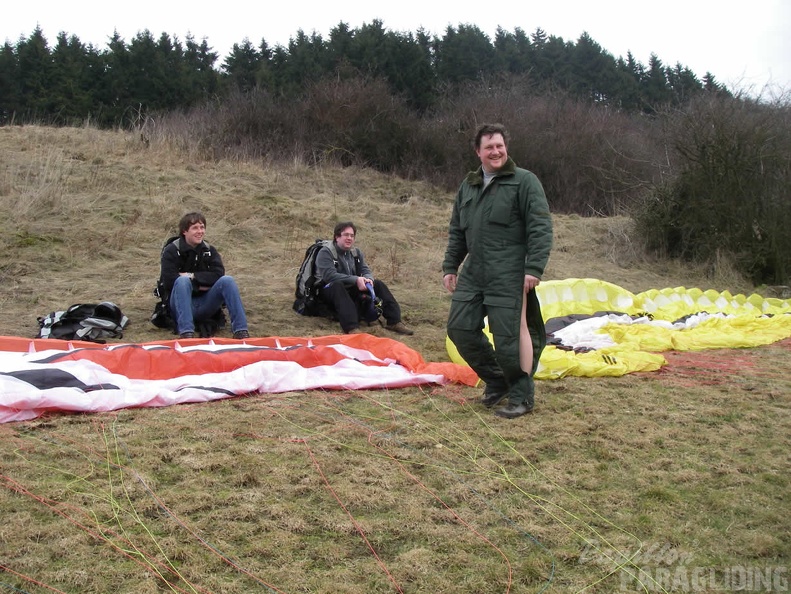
x: 745, y: 45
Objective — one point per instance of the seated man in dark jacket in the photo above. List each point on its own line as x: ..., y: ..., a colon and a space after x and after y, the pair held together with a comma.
x: 348, y: 285
x: 193, y: 275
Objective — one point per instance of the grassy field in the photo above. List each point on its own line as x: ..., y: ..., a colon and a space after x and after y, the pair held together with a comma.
x: 671, y: 481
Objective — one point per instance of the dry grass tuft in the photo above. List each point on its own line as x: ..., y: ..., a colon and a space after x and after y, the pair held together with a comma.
x: 360, y: 492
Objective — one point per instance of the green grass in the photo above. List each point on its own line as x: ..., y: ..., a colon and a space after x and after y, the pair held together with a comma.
x: 413, y: 490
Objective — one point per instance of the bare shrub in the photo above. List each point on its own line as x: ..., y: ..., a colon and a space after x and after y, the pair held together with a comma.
x: 243, y: 126
x: 356, y: 122
x: 592, y: 160
x: 728, y: 190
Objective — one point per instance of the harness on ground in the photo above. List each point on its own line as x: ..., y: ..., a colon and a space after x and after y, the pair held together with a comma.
x: 84, y: 321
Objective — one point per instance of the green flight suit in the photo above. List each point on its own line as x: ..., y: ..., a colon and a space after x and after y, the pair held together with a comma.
x: 501, y: 233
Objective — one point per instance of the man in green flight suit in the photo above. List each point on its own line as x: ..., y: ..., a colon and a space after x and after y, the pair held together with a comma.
x: 501, y: 224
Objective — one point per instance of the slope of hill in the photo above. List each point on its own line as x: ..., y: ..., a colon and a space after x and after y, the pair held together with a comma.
x: 611, y: 485
x: 85, y: 214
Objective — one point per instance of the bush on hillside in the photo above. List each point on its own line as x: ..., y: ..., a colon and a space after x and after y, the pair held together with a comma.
x: 729, y: 188
x: 592, y: 160
x: 345, y: 122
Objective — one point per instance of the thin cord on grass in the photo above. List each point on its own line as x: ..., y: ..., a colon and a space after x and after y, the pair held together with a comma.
x: 132, y: 550
x: 357, y: 526
x: 114, y: 463
x: 226, y: 559
x: 387, y: 455
x: 625, y: 565
x: 18, y: 488
x: 543, y: 503
x: 103, y: 533
x: 28, y: 579
x: 455, y: 442
x: 205, y: 543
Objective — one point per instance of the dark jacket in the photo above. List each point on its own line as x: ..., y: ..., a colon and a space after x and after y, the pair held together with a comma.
x: 337, y: 265
x: 504, y: 230
x: 501, y: 232
x: 203, y: 261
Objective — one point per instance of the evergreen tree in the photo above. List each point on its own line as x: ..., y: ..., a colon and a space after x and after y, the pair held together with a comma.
x: 629, y: 74
x: 241, y: 66
x: 202, y: 78
x: 35, y: 71
x: 146, y: 74
x: 304, y: 61
x: 370, y: 49
x: 513, y: 51
x: 175, y: 85
x: 710, y: 85
x: 115, y: 93
x: 541, y: 67
x: 593, y: 71
x: 555, y: 63
x: 264, y: 77
x: 9, y: 84
x: 464, y: 54
x: 656, y: 91
x: 683, y: 83
x: 411, y: 73
x: 339, y: 46
x: 399, y: 59
x: 74, y: 76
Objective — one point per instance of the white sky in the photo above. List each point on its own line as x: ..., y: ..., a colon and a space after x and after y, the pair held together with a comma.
x: 746, y: 45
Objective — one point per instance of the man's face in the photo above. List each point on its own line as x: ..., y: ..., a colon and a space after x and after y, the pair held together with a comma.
x: 346, y: 239
x: 194, y: 235
x: 492, y: 152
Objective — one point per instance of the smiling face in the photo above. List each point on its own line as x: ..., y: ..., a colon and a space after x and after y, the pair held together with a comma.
x: 345, y: 239
x: 194, y: 235
x: 492, y: 152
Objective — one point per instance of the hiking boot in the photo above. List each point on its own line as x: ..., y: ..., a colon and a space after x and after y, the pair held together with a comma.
x: 492, y: 395
x: 187, y: 335
x: 399, y: 328
x: 241, y: 334
x: 513, y: 410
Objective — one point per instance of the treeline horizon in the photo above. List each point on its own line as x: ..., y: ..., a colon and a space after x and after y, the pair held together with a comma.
x: 704, y: 173
x: 72, y: 82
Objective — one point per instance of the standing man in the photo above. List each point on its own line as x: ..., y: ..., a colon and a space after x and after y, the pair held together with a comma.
x: 348, y: 286
x: 193, y: 276
x: 501, y: 224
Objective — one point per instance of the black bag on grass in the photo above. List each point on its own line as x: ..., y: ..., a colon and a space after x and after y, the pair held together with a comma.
x: 84, y: 321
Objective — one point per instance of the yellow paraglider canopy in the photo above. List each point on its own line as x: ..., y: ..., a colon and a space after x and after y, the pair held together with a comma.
x: 650, y: 322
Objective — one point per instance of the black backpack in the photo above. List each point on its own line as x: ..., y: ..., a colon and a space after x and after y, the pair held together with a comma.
x: 161, y: 317
x: 306, y: 292
x: 161, y: 314
x: 84, y: 321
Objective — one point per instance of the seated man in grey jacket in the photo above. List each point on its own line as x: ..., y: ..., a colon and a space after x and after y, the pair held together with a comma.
x: 349, y: 288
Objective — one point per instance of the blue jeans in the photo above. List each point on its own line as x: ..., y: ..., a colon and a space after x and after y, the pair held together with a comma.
x: 186, y: 307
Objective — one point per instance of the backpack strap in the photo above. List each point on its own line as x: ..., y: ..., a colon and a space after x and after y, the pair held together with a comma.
x: 355, y: 253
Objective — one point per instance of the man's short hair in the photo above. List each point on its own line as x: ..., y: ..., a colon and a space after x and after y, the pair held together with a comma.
x: 490, y: 130
x: 341, y: 226
x: 189, y: 219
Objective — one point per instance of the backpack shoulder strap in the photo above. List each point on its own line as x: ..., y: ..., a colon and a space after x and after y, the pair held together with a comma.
x: 333, y: 249
x: 174, y: 239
